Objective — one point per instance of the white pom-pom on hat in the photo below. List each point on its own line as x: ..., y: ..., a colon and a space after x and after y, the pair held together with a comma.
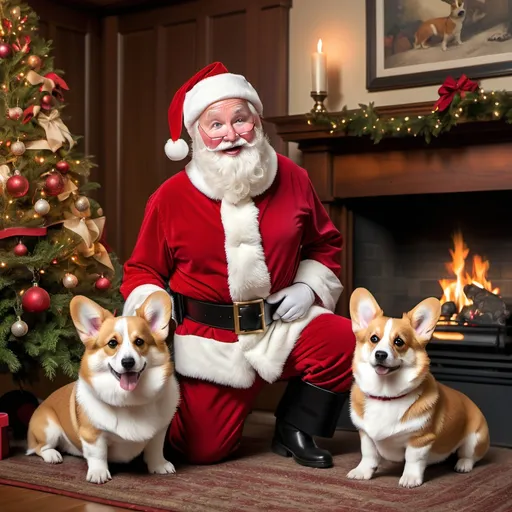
x: 209, y: 85
x: 176, y: 150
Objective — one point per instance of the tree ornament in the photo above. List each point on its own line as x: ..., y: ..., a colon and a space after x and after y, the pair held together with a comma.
x: 54, y: 184
x: 15, y: 113
x: 18, y: 148
x: 20, y: 249
x: 5, y: 50
x: 62, y: 167
x: 42, y: 207
x: 100, y: 212
x: 46, y: 101
x: 17, y: 185
x: 16, y: 13
x: 34, y: 62
x: 35, y: 300
x: 19, y: 328
x: 69, y: 281
x: 103, y: 283
x: 82, y: 204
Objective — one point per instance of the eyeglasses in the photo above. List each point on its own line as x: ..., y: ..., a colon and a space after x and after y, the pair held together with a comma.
x: 217, y: 134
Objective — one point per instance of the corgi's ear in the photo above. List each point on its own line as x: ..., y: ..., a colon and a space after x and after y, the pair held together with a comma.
x: 363, y: 309
x: 157, y: 310
x: 88, y: 317
x: 424, y: 318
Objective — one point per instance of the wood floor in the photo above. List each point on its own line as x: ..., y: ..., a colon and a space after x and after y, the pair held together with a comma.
x: 16, y: 499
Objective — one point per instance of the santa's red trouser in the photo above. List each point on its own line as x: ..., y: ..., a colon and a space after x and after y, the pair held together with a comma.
x: 208, y: 424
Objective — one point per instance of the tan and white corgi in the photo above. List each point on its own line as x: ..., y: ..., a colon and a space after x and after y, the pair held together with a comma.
x: 449, y: 27
x: 125, y: 396
x: 401, y: 411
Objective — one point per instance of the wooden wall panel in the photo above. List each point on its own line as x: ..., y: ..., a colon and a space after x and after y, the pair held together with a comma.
x: 227, y: 41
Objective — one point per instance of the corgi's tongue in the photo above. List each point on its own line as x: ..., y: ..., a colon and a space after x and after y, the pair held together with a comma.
x: 382, y: 370
x: 129, y: 380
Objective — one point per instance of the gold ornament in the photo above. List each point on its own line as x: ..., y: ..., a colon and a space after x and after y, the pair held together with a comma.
x: 19, y: 328
x: 18, y: 148
x: 82, y: 204
x: 34, y: 62
x: 69, y: 280
x: 16, y: 12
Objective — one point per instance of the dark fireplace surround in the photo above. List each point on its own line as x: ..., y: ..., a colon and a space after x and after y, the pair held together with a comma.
x: 397, y: 204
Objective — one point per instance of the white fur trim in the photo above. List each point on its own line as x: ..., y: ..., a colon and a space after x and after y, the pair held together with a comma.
x: 236, y: 364
x: 195, y: 175
x: 321, y: 280
x: 248, y: 275
x: 216, y: 88
x: 176, y: 150
x: 215, y: 361
x: 137, y: 297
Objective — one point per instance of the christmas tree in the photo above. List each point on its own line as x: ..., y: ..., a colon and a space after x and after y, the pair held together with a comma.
x: 51, y: 233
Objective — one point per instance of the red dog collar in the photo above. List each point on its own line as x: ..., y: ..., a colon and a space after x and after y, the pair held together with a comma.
x: 386, y: 398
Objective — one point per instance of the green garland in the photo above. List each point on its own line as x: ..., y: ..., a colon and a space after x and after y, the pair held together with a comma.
x: 366, y: 121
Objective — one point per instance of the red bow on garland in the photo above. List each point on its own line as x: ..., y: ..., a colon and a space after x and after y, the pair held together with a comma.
x: 24, y: 46
x: 450, y: 88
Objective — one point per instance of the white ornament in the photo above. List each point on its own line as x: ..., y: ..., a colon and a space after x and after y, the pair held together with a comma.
x: 82, y: 204
x: 42, y: 207
x: 15, y: 113
x: 69, y: 281
x: 19, y: 328
x: 18, y: 148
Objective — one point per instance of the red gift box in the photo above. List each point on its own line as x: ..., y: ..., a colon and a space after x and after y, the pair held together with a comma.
x: 4, y: 435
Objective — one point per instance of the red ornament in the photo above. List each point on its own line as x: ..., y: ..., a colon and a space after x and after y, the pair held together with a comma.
x: 17, y: 185
x: 62, y: 167
x: 103, y: 283
x: 20, y: 249
x: 46, y: 101
x: 54, y: 184
x: 5, y: 50
x: 35, y: 300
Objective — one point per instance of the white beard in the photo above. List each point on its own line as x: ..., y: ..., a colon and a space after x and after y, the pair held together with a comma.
x: 233, y: 178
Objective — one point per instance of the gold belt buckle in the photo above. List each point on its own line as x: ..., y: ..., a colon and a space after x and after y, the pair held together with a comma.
x: 236, y: 316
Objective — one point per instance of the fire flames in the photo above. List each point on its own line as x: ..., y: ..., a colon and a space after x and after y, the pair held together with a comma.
x: 453, y: 289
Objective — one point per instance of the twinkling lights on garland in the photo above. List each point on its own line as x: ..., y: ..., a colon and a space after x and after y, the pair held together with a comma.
x: 456, y: 105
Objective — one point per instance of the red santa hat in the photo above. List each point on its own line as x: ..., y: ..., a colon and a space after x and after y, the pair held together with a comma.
x: 213, y: 83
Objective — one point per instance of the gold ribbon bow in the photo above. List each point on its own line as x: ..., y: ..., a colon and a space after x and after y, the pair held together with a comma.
x: 90, y: 230
x: 56, y: 133
x: 35, y: 79
x: 5, y: 174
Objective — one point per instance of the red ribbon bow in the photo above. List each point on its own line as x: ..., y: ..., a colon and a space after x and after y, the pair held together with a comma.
x: 24, y: 46
x: 450, y: 88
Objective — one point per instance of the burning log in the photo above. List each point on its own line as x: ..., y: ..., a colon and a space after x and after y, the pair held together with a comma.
x: 487, y: 308
x: 448, y: 309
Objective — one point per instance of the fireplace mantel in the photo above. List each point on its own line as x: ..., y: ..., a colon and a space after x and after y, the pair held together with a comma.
x: 472, y: 157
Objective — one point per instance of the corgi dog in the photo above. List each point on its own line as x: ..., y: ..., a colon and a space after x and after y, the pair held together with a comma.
x: 449, y: 27
x: 401, y: 411
x: 125, y: 397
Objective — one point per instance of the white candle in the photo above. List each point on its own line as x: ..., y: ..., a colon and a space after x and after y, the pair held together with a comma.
x: 319, y: 69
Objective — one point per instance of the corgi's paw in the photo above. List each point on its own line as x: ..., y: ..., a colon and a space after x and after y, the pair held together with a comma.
x: 410, y: 480
x: 98, y: 475
x: 464, y: 465
x: 162, y: 468
x: 51, y: 456
x: 361, y: 472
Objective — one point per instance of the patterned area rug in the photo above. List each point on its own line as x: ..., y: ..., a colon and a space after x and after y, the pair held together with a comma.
x: 257, y: 480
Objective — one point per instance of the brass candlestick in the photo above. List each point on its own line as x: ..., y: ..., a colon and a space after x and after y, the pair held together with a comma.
x: 319, y: 97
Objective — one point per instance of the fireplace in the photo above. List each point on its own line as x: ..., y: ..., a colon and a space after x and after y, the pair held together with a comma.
x: 428, y: 220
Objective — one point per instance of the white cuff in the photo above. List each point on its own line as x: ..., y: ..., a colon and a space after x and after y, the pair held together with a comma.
x: 321, y: 280
x: 137, y: 298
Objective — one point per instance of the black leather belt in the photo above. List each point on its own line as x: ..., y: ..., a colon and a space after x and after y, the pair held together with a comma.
x: 249, y: 317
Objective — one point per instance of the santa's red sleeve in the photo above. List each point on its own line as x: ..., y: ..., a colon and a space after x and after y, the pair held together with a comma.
x: 320, y: 263
x: 150, y: 265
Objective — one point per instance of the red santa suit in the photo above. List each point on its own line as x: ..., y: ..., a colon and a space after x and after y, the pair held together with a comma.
x: 209, y: 249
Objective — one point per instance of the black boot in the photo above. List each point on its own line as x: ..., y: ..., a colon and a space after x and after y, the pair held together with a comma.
x: 305, y: 411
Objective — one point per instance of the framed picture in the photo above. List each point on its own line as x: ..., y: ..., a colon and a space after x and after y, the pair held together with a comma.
x: 411, y: 43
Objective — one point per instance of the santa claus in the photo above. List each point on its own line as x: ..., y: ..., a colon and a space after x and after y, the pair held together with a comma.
x: 251, y: 260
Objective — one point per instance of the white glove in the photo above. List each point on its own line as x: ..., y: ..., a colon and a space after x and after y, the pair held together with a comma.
x: 298, y: 298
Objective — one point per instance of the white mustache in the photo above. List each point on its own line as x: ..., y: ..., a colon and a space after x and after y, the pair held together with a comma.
x: 223, y: 146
